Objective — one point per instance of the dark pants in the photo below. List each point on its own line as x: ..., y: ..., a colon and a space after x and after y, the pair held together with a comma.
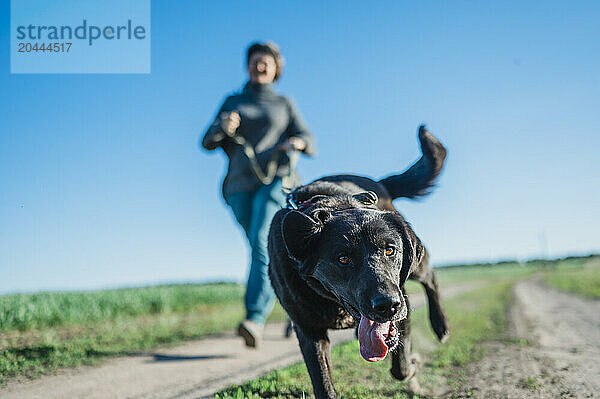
x: 254, y: 212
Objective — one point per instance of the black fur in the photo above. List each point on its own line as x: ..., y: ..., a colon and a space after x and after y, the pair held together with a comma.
x: 419, y: 178
x: 345, y: 252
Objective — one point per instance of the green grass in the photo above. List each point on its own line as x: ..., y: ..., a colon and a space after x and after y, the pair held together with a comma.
x: 481, y: 272
x: 55, y: 330
x: 453, y: 275
x: 582, y: 279
x: 529, y: 383
x: 476, y: 316
x: 52, y: 309
x: 42, y: 332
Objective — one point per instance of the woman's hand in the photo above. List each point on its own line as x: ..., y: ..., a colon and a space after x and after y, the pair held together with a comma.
x: 230, y: 121
x: 293, y: 143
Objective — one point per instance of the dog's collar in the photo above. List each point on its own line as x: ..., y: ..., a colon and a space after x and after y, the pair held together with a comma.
x: 296, y: 206
x: 291, y: 204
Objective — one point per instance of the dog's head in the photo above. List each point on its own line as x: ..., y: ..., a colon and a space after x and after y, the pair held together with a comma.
x: 360, y: 255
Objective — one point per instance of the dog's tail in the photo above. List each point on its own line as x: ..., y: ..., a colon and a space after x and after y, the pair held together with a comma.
x: 417, y: 180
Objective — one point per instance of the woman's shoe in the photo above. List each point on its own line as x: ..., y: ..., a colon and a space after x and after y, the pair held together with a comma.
x: 251, y: 331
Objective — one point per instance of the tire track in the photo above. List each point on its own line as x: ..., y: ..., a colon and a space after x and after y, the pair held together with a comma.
x: 559, y: 353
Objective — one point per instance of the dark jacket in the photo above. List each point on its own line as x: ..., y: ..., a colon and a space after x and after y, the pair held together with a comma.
x: 267, y: 120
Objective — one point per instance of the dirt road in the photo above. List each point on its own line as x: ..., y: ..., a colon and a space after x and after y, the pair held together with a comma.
x: 195, y: 369
x: 192, y: 370
x: 557, y: 353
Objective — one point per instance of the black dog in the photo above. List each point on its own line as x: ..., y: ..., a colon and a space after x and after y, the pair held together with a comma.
x: 339, y: 257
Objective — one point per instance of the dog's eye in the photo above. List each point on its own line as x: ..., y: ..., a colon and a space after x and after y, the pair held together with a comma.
x: 344, y: 259
x: 389, y: 251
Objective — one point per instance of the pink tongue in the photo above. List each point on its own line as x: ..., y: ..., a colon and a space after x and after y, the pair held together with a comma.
x: 371, y: 336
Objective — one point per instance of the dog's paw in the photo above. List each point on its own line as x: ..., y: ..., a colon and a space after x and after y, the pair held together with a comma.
x: 289, y: 329
x: 442, y: 333
x: 415, y: 360
x: 440, y: 326
x: 415, y: 388
x: 443, y: 338
x: 411, y: 369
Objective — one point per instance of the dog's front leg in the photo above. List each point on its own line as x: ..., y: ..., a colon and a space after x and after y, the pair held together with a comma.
x: 405, y: 364
x: 437, y: 316
x: 316, y: 350
x: 426, y: 276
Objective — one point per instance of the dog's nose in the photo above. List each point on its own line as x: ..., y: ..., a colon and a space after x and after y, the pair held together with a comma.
x: 385, y: 306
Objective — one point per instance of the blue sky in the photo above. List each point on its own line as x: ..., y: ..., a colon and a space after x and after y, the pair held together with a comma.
x: 103, y: 183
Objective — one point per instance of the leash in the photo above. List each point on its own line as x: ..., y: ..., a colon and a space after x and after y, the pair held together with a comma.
x: 267, y: 177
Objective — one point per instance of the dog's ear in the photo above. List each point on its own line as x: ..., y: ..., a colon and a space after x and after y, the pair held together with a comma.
x: 366, y: 198
x: 298, y: 230
x: 413, y: 250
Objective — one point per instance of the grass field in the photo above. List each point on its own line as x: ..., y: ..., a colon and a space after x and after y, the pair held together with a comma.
x: 43, y: 332
x: 34, y: 311
x: 582, y: 279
